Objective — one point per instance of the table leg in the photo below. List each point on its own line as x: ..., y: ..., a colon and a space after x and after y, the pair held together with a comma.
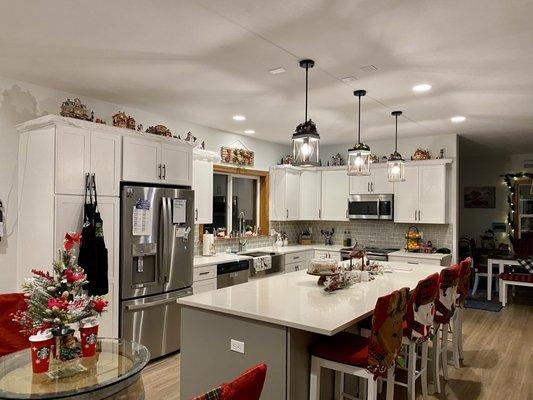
x: 501, y: 269
x: 489, y: 279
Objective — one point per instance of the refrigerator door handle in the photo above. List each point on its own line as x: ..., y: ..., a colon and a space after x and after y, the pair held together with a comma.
x: 136, y: 307
x: 165, y: 234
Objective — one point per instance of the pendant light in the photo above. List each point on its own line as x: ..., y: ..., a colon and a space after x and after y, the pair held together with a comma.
x: 359, y: 156
x: 305, y: 139
x: 396, y: 165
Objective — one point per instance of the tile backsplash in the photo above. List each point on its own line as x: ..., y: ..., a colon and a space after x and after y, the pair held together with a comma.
x: 366, y: 232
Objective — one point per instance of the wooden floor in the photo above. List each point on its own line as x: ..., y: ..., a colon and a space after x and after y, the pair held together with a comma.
x: 498, y: 362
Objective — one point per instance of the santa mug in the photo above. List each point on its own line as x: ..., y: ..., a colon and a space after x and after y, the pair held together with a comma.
x: 89, y: 336
x: 41, y: 347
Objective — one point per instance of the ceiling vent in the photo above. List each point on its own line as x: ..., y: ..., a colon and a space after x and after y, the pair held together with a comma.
x: 349, y: 79
x: 369, y: 68
x: 277, y: 71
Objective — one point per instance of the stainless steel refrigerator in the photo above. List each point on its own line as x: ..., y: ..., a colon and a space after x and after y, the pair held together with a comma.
x: 156, y: 262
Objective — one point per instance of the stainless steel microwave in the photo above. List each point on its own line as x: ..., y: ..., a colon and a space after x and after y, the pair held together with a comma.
x: 371, y: 206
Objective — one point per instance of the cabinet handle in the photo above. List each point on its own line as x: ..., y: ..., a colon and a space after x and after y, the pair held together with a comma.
x: 204, y: 273
x: 159, y: 166
x: 368, y: 186
x: 415, y: 215
x: 296, y: 258
x: 287, y: 213
x: 196, y: 214
x: 372, y: 187
x: 319, y: 213
x: 419, y: 215
x: 164, y: 171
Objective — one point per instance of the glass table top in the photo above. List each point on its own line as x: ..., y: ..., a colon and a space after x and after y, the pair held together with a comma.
x: 115, y: 361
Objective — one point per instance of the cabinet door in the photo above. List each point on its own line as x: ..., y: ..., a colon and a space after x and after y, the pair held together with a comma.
x: 72, y: 159
x: 141, y: 160
x: 177, y: 164
x: 360, y: 184
x: 278, y: 209
x: 310, y: 195
x: 202, y: 184
x: 204, y: 286
x: 406, y: 197
x: 334, y: 195
x: 105, y: 162
x: 380, y: 182
x: 432, y: 194
x: 109, y: 319
x: 292, y: 194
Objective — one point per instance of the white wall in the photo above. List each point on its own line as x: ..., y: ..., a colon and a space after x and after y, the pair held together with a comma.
x: 21, y: 101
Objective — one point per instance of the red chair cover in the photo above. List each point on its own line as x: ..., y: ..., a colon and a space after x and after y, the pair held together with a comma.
x: 11, y: 339
x: 463, y: 283
x: 445, y: 304
x: 420, y: 310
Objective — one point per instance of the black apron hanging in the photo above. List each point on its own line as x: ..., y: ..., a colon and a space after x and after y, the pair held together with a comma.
x: 93, y: 253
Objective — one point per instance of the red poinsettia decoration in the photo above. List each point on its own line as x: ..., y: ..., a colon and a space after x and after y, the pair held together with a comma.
x: 71, y: 238
x: 57, y: 304
x: 99, y: 305
x: 74, y: 276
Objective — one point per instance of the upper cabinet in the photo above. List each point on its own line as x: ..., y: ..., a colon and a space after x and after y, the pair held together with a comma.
x: 422, y: 197
x: 310, y: 195
x: 146, y: 160
x: 79, y: 152
x: 334, y: 195
x: 284, y: 194
x: 202, y: 184
x: 375, y: 183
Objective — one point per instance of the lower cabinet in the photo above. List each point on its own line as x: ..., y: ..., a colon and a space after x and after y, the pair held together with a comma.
x: 328, y: 254
x: 204, y: 286
x: 298, y: 261
x: 204, y: 279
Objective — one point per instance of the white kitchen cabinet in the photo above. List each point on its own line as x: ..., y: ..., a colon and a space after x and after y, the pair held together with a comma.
x: 298, y: 266
x: 334, y: 195
x: 335, y: 255
x: 176, y: 161
x: 310, y: 195
x: 421, y: 198
x: 204, y: 286
x: 79, y: 152
x: 73, y: 152
x: 375, y: 183
x: 150, y: 161
x: 284, y: 194
x: 202, y: 184
x: 141, y: 160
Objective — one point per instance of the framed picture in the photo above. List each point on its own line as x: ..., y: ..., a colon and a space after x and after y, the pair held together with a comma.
x: 480, y: 197
x: 235, y: 156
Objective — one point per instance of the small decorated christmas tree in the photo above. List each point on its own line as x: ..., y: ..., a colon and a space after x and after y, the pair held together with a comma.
x: 57, y: 300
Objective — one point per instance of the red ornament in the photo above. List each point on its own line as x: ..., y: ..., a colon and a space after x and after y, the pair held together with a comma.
x: 99, y: 305
x: 73, y: 276
x: 57, y: 304
x: 71, y: 238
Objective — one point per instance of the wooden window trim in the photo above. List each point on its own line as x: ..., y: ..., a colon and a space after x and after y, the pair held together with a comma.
x: 264, y: 179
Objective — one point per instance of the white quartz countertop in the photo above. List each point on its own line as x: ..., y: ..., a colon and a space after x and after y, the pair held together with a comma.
x: 295, y: 300
x: 221, y: 258
x: 429, y: 256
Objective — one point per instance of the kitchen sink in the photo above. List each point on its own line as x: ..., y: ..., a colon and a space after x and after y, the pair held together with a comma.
x: 256, y: 253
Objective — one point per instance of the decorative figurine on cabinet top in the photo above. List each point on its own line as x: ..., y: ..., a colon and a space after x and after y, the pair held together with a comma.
x: 160, y: 130
x: 120, y: 120
x: 421, y: 155
x: 337, y: 160
x: 75, y: 109
x: 130, y: 124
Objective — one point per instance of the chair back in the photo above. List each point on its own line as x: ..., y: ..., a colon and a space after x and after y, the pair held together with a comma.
x: 463, y: 281
x: 420, y: 311
x: 386, y: 334
x: 445, y: 304
x: 11, y: 339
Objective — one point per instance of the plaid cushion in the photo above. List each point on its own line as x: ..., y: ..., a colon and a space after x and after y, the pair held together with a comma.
x: 211, y: 395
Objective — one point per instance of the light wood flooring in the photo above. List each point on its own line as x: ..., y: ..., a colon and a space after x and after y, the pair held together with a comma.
x: 498, y: 362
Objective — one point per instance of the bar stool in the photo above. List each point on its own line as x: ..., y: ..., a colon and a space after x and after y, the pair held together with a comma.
x: 444, y: 310
x: 417, y: 330
x: 465, y: 272
x: 367, y: 358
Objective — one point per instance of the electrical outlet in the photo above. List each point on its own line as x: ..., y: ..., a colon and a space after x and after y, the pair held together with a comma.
x: 236, y: 346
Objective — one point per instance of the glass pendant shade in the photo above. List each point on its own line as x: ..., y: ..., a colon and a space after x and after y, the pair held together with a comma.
x: 396, y: 165
x: 306, y: 140
x: 359, y: 156
x: 305, y: 145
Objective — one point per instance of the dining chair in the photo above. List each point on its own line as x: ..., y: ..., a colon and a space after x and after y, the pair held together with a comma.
x: 418, y: 324
x: 363, y: 357
x: 444, y: 311
x: 11, y: 339
x: 463, y: 283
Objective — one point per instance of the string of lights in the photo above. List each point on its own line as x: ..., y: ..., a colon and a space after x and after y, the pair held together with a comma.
x: 509, y: 179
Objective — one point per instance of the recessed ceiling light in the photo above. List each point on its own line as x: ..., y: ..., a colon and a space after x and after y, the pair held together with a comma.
x: 249, y: 131
x: 423, y: 87
x: 349, y: 79
x: 239, y: 118
x: 457, y: 119
x: 276, y: 71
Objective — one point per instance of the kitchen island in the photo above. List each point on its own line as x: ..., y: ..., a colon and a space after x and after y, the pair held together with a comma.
x: 273, y: 320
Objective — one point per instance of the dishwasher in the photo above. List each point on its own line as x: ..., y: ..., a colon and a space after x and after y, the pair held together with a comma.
x: 232, y: 273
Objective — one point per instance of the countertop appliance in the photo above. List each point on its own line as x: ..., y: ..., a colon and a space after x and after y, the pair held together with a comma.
x: 278, y: 264
x: 371, y: 206
x: 156, y: 262
x: 372, y: 253
x: 232, y: 273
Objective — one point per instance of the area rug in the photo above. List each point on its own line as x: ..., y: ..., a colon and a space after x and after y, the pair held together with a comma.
x: 483, y: 305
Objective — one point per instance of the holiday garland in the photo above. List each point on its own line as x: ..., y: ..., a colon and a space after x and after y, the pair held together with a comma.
x: 509, y: 179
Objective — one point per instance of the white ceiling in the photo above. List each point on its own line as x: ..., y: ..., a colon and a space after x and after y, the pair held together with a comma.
x: 204, y: 61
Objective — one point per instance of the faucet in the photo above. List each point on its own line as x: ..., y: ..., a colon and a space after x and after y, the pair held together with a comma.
x: 241, y: 235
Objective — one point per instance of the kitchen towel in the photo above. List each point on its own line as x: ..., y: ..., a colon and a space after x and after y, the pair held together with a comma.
x: 262, y: 263
x: 208, y: 247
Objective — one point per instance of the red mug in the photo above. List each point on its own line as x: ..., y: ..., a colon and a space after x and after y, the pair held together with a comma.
x: 41, y: 348
x: 89, y: 336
